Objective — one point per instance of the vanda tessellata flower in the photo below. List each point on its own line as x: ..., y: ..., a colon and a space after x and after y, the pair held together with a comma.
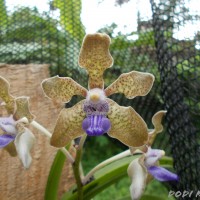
x: 142, y: 170
x: 14, y: 136
x: 98, y: 114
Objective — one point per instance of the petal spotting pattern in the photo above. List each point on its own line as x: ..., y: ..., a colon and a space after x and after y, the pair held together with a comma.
x: 95, y: 58
x: 131, y: 84
x: 126, y: 125
x: 97, y: 114
x: 16, y: 138
x: 62, y: 88
x: 68, y: 125
x: 6, y: 96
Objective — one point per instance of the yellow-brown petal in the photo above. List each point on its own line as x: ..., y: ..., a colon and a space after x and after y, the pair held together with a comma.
x: 127, y: 125
x: 11, y: 149
x: 95, y: 58
x: 5, y: 95
x: 22, y: 109
x: 62, y: 88
x: 69, y: 125
x: 131, y: 84
x: 141, y: 149
x: 158, y: 127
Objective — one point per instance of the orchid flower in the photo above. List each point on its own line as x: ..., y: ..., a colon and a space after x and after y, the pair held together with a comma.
x: 15, y: 137
x: 143, y: 169
x: 98, y: 114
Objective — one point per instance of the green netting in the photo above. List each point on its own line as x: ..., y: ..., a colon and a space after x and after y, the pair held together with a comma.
x: 29, y: 35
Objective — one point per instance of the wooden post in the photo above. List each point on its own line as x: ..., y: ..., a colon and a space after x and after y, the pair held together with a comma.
x: 16, y: 182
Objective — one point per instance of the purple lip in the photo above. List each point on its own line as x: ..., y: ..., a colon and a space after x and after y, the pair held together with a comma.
x: 95, y: 125
x: 162, y: 174
x: 5, y: 140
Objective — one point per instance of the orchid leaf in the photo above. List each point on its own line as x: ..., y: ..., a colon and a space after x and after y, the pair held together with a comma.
x: 51, y: 191
x: 108, y: 176
x: 166, y: 161
x: 145, y: 197
x: 152, y: 197
x: 103, y: 178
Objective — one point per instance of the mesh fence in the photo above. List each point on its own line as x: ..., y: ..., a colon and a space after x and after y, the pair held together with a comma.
x: 160, y: 46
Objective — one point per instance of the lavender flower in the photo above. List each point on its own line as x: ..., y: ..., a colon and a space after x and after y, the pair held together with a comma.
x: 15, y: 137
x: 143, y: 169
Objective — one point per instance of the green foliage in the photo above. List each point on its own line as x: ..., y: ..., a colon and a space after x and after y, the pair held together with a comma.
x: 111, y: 175
x: 145, y: 39
x: 120, y: 191
x: 189, y: 73
x: 24, y: 41
x: 190, y: 67
x: 103, y: 178
x: 3, y: 13
x: 70, y: 20
x: 31, y: 37
x: 98, y: 149
x: 70, y: 11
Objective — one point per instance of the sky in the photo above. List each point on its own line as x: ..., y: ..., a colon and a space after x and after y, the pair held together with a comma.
x: 96, y: 15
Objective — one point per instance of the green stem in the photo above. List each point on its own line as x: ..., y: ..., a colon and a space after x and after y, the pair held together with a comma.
x: 76, y: 168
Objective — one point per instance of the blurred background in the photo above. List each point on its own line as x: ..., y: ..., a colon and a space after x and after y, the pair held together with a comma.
x: 157, y: 36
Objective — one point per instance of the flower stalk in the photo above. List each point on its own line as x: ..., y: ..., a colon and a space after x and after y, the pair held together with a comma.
x: 45, y: 132
x: 76, y: 167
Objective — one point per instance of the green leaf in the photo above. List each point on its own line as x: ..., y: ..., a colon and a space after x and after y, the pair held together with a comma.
x: 103, y: 178
x: 145, y: 197
x: 125, y: 198
x: 166, y: 161
x: 152, y: 197
x: 108, y: 176
x: 54, y: 177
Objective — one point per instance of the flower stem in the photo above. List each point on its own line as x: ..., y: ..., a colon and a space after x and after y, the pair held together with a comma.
x: 104, y: 163
x: 45, y: 132
x: 76, y: 167
x: 41, y: 129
